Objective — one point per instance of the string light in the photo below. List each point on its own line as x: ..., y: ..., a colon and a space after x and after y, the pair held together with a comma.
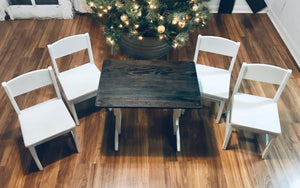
x: 101, y: 7
x: 197, y: 19
x: 127, y: 22
x: 105, y: 10
x: 120, y: 26
x: 140, y: 37
x: 175, y: 20
x: 175, y: 45
x: 136, y: 26
x: 161, y: 37
x: 135, y: 6
x: 109, y: 7
x: 161, y: 17
x: 100, y: 14
x: 92, y: 4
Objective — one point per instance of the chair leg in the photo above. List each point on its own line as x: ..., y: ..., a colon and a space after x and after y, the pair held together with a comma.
x: 176, y: 115
x: 228, y: 132
x: 73, y: 111
x: 118, y: 116
x: 178, y: 140
x: 35, y: 157
x: 222, y: 104
x: 267, y: 149
x: 74, y: 134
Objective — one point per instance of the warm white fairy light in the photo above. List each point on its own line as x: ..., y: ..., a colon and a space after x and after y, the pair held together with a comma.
x: 120, y: 26
x: 140, y: 14
x: 92, y: 4
x: 127, y: 22
x: 101, y: 7
x: 161, y: 37
x: 105, y: 10
x: 197, y: 14
x: 109, y: 7
x: 134, y: 32
x: 175, y: 20
x: 136, y: 26
x: 175, y: 45
x: 135, y: 6
x: 197, y: 19
x: 140, y: 37
x: 100, y: 15
x: 112, y: 42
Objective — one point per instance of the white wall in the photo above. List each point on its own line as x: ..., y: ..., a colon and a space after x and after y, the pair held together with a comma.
x: 285, y: 16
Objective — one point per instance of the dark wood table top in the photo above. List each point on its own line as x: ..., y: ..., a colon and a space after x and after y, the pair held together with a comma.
x: 148, y: 84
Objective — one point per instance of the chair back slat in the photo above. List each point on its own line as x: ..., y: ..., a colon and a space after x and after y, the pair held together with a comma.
x: 70, y: 45
x: 217, y: 45
x: 28, y: 82
x: 265, y: 73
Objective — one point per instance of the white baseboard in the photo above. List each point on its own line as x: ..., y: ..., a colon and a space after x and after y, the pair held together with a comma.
x: 236, y: 9
x: 284, y: 34
x: 62, y: 11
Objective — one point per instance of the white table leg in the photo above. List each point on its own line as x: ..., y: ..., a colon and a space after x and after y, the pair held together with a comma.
x: 118, y: 116
x: 176, y: 115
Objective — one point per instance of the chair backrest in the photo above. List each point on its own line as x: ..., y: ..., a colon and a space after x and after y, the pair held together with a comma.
x: 28, y: 82
x: 217, y: 45
x: 264, y: 73
x: 70, y: 45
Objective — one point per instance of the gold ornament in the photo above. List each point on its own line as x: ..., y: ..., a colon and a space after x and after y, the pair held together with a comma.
x: 161, y: 29
x: 181, y: 24
x: 124, y: 18
x: 195, y: 7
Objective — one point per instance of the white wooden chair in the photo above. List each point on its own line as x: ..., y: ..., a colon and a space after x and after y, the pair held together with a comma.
x: 79, y: 83
x: 215, y: 82
x: 256, y: 113
x: 44, y: 121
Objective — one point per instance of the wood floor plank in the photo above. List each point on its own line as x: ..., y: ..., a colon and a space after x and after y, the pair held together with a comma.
x: 147, y: 155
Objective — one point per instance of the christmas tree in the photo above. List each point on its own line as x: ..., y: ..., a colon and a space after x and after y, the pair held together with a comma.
x: 165, y: 19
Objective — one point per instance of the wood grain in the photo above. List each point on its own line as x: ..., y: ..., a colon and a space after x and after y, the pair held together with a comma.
x: 148, y: 84
x: 147, y: 156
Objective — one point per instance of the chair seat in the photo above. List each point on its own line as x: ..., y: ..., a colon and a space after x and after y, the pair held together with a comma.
x: 43, y: 121
x: 213, y: 81
x: 80, y: 81
x: 255, y: 113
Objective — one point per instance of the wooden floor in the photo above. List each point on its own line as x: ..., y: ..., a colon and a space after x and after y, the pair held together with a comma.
x: 147, y: 156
